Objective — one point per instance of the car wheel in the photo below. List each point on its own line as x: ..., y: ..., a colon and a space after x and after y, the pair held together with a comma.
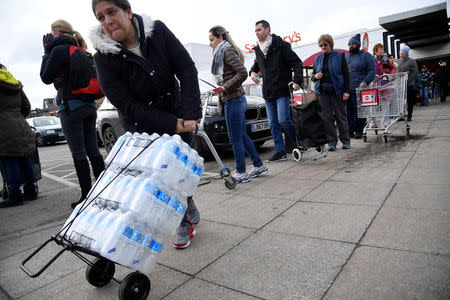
x: 40, y: 140
x: 109, y: 138
x: 202, y: 148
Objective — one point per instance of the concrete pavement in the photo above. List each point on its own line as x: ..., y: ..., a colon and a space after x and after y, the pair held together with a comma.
x: 372, y: 222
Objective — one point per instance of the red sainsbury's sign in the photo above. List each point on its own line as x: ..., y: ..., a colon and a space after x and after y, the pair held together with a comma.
x: 294, y: 38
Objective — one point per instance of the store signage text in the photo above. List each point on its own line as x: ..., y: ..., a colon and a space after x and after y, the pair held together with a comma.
x: 294, y: 38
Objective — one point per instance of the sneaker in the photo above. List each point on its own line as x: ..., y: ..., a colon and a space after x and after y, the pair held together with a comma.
x: 332, y: 147
x: 185, y: 233
x: 277, y: 157
x: 192, y: 212
x: 346, y: 146
x: 241, y: 177
x: 256, y: 171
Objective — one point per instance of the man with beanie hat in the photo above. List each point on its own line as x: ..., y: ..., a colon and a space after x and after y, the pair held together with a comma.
x: 362, y: 71
x: 407, y: 64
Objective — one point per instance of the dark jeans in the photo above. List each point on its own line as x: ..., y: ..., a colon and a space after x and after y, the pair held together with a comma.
x: 13, y: 166
x: 278, y: 113
x: 354, y: 123
x: 443, y: 91
x: 333, y: 106
x: 79, y: 129
x: 237, y: 133
x: 411, y: 97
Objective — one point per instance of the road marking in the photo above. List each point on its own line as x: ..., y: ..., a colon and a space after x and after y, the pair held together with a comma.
x: 58, y: 179
x: 58, y: 165
x: 68, y: 175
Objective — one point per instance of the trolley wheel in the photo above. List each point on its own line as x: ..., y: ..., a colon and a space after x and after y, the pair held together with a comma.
x: 365, y: 137
x: 385, y: 138
x: 134, y: 286
x: 230, y: 183
x: 101, y: 272
x: 376, y: 132
x: 407, y: 131
x: 297, y: 155
x: 222, y: 174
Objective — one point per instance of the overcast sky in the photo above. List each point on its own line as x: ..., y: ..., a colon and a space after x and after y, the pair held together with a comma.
x: 24, y: 22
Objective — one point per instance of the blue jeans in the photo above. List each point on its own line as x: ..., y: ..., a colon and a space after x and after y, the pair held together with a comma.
x: 424, y: 95
x: 235, y: 120
x: 278, y: 112
x: 13, y: 166
x: 79, y: 129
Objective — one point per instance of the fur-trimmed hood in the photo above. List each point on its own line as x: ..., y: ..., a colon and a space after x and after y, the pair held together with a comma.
x: 106, y: 45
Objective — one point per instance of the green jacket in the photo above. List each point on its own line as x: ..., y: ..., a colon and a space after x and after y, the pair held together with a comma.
x: 16, y: 137
x: 408, y: 65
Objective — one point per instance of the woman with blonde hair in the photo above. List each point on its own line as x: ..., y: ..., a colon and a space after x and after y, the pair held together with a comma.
x: 229, y: 73
x: 77, y: 115
x: 332, y: 85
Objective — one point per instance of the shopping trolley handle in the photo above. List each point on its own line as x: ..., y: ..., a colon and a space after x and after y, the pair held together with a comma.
x: 33, y: 275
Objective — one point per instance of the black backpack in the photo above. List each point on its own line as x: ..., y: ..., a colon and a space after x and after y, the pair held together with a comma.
x: 83, y: 76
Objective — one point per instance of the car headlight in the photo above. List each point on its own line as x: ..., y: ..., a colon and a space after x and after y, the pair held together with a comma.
x: 212, y: 111
x: 50, y: 131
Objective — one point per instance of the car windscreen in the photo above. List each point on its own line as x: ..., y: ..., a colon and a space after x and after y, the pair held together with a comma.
x: 40, y: 122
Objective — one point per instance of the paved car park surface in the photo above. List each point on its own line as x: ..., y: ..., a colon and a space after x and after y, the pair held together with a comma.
x: 372, y: 222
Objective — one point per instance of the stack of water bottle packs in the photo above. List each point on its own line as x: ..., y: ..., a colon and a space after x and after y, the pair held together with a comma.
x: 138, y: 201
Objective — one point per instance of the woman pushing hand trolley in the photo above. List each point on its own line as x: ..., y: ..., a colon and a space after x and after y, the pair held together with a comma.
x: 384, y: 98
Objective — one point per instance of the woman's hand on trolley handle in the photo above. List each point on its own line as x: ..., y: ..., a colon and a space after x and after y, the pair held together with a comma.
x: 345, y: 96
x: 294, y: 85
x: 185, y: 125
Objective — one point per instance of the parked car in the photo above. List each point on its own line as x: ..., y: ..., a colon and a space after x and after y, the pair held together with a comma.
x: 47, y: 130
x: 110, y: 127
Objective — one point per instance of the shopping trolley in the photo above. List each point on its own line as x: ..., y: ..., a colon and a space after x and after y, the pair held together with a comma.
x: 383, y: 103
x: 224, y: 172
x: 100, y: 271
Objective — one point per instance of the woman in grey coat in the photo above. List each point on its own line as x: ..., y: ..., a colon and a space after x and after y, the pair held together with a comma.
x: 17, y: 139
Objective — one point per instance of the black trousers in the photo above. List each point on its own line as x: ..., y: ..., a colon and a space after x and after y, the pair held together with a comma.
x: 411, y: 100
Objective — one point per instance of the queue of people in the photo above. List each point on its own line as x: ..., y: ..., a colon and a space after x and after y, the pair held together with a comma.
x: 150, y: 78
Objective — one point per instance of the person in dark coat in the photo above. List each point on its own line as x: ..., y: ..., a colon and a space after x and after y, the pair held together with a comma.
x: 138, y: 62
x: 332, y: 85
x: 442, y: 76
x: 17, y: 140
x: 276, y: 61
x: 229, y: 73
x: 78, y: 117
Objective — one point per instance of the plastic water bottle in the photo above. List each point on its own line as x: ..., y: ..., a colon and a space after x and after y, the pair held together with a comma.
x: 129, y: 193
x: 116, y: 241
x: 147, y: 255
x: 120, y: 141
x: 133, y: 236
x: 145, y: 157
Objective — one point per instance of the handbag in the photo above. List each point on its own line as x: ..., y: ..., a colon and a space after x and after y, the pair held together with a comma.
x: 33, y: 158
x: 309, y: 95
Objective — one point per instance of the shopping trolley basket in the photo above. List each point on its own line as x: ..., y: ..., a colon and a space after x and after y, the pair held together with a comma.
x: 383, y: 103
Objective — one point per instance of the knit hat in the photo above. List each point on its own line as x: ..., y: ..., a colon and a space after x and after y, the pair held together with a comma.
x: 405, y: 50
x: 356, y: 39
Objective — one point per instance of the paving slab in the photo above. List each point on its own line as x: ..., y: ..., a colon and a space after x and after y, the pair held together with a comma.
x: 293, y: 189
x: 280, y: 266
x: 211, y: 242
x: 376, y: 273
x: 415, y: 230
x: 251, y: 212
x: 358, y: 193
x: 75, y: 286
x: 340, y: 222
x: 384, y: 175
x: 422, y: 196
x: 196, y: 289
x: 415, y: 175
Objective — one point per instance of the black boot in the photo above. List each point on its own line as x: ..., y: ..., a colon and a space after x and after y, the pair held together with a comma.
x: 98, y: 165
x: 84, y: 178
x: 14, y: 199
x: 30, y: 192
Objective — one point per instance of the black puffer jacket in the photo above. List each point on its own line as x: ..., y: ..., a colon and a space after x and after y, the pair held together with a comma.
x: 57, y: 64
x: 145, y: 90
x: 277, y: 67
x: 17, y: 139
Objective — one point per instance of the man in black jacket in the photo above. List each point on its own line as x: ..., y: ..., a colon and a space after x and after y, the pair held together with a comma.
x: 276, y: 61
